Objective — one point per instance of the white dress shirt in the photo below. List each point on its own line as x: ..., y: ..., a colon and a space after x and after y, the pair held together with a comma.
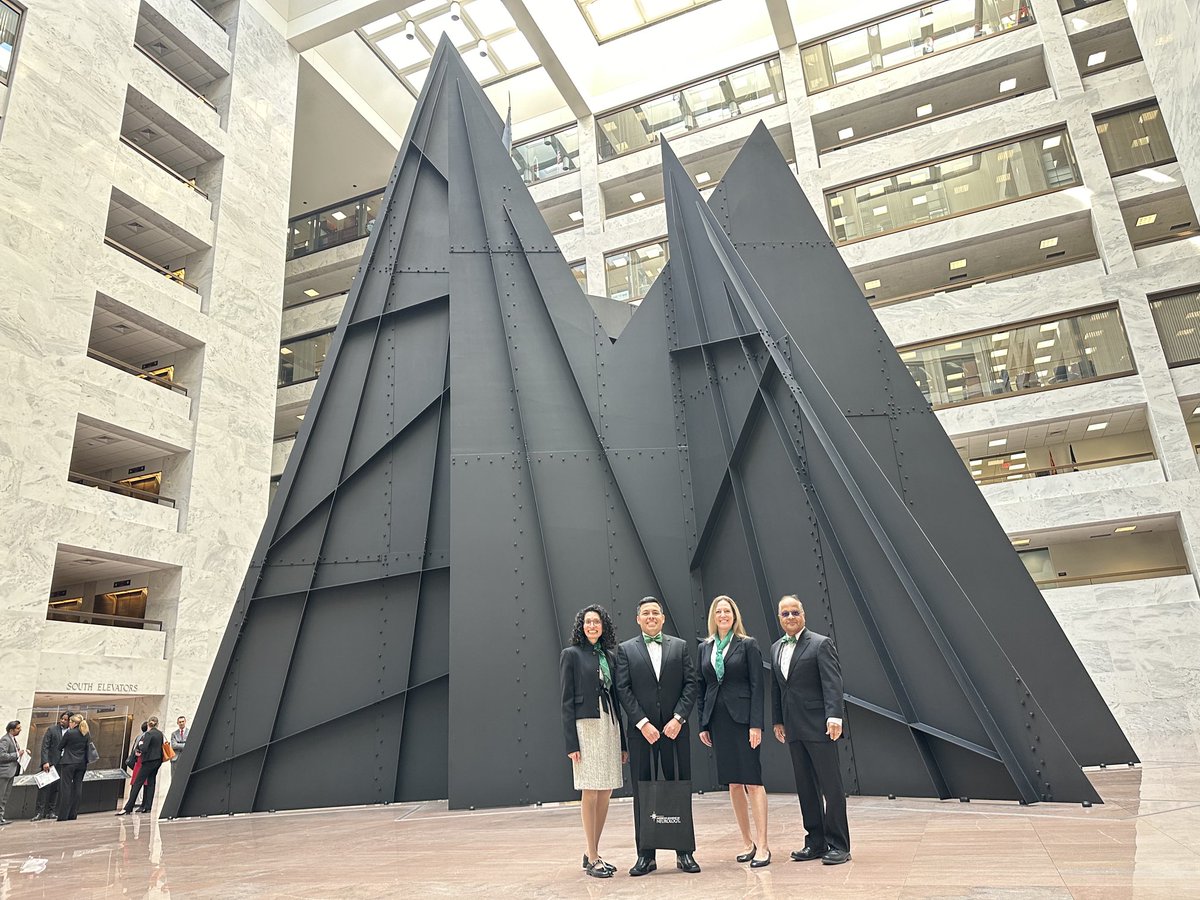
x: 655, y: 651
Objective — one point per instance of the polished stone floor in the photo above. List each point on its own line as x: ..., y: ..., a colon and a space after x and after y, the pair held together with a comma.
x: 1143, y: 843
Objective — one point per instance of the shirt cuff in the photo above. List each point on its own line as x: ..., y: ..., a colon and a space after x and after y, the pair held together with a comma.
x: 837, y: 722
x: 639, y: 725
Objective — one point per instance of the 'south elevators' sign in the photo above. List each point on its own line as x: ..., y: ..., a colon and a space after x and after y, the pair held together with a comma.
x: 104, y: 687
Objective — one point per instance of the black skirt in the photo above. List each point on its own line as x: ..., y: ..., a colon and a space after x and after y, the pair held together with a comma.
x: 737, y: 761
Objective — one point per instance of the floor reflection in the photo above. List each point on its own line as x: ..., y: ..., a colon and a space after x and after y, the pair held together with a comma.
x: 1144, y: 842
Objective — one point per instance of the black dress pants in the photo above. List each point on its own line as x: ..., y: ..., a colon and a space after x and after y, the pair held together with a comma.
x: 71, y: 778
x: 47, y: 799
x: 672, y: 756
x: 147, y: 777
x: 822, y: 797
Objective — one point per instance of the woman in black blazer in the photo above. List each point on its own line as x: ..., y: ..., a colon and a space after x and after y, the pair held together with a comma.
x: 731, y: 720
x: 592, y: 725
x: 72, y: 764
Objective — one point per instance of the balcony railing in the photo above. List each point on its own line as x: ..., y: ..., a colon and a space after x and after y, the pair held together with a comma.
x: 204, y: 9
x: 182, y: 179
x: 150, y: 56
x: 151, y: 264
x: 115, y: 488
x: 134, y: 370
x: 94, y: 618
x: 1110, y: 577
x: 896, y: 40
x: 334, y: 225
x: 1063, y: 469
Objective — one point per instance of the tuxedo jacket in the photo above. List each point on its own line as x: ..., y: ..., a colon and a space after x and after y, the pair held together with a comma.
x: 741, y: 691
x: 642, y: 695
x: 51, y: 741
x: 812, y: 692
x: 579, y: 672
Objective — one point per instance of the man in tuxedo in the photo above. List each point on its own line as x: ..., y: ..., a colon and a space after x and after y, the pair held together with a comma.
x: 657, y: 685
x: 47, y: 797
x: 806, y: 694
x: 152, y: 756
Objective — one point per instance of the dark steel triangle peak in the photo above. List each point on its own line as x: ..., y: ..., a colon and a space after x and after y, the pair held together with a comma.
x: 480, y: 460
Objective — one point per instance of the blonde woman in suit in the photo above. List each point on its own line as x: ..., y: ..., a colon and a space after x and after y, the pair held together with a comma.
x: 731, y: 720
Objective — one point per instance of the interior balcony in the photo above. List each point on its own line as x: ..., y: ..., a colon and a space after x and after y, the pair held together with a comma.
x: 196, y: 56
x: 158, y: 244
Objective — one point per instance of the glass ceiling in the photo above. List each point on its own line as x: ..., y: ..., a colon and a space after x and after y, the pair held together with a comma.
x: 612, y: 18
x: 482, y: 30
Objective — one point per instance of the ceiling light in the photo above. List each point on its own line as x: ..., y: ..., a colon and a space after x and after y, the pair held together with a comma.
x: 121, y: 328
x: 846, y: 134
x: 961, y: 188
x: 1079, y: 23
x: 1042, y: 345
x: 702, y: 177
x: 338, y: 214
x: 135, y: 226
x: 998, y: 442
x: 1017, y: 468
x: 879, y: 210
x: 148, y: 133
x: 1124, y: 529
x: 1051, y: 142
x: 1020, y: 542
x: 1097, y: 426
x: 1196, y: 411
x: 1020, y: 455
x: 1048, y: 243
x: 1014, y: 477
x: 1003, y: 335
x: 309, y: 292
x: 954, y: 345
x: 285, y: 351
x: 637, y: 196
x: 1049, y: 326
x: 482, y: 48
x: 872, y: 284
x: 1042, y: 360
x: 1000, y: 354
x: 920, y: 201
x: 925, y: 110
x: 1146, y: 220
x: 455, y: 11
x: 977, y: 462
x: 1008, y: 84
x: 1096, y: 58
x: 300, y: 416
x: 956, y: 264
x: 575, y: 215
x: 410, y: 30
x: 1139, y: 142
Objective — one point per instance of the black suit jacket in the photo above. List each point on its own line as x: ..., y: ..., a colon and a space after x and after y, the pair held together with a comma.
x: 51, y: 742
x: 73, y: 751
x: 658, y: 699
x: 579, y: 673
x: 152, y: 742
x: 812, y: 692
x: 741, y: 692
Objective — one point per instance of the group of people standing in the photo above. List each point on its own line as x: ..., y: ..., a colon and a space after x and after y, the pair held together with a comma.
x: 655, y: 680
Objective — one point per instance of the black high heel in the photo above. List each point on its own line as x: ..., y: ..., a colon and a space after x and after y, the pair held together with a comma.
x: 587, y: 863
x: 760, y: 863
x: 746, y: 857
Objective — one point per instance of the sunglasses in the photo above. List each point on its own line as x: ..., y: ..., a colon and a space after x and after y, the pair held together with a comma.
x: 790, y: 614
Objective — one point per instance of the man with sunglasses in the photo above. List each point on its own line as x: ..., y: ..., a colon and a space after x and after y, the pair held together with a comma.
x: 806, y: 695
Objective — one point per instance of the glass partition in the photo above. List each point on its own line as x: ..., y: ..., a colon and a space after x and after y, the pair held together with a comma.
x: 579, y: 270
x: 1177, y: 318
x: 908, y: 36
x: 628, y: 274
x: 1030, y: 357
x: 301, y: 359
x: 1134, y: 139
x: 10, y: 25
x: 747, y: 90
x: 334, y: 225
x: 548, y: 156
x: 951, y: 187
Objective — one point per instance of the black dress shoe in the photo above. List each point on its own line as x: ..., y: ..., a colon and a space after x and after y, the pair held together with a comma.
x: 748, y: 855
x: 644, y: 866
x: 599, y: 870
x: 37, y: 818
x: 759, y: 863
x: 836, y: 857
x: 684, y: 861
x: 808, y: 854
x: 587, y: 863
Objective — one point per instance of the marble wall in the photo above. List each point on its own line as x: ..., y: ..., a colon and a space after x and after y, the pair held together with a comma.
x: 61, y: 160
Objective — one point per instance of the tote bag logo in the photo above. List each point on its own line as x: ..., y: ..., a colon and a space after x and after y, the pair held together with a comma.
x: 666, y: 820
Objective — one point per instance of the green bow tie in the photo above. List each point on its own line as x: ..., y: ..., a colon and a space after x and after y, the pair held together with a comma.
x: 656, y: 639
x: 788, y: 639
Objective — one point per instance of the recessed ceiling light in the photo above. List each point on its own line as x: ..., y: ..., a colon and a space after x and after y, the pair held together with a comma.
x: 285, y: 351
x: 1124, y: 529
x: 1096, y: 58
x: 1042, y: 345
x: 1051, y: 142
x: 702, y: 177
x: 925, y: 110
x: 920, y: 201
x: 1008, y: 84
x: 300, y: 416
x: 1003, y: 335
x: 977, y: 462
x: 1049, y: 326
x: 1020, y: 542
x: 637, y: 196
x: 1020, y: 455
x: 1146, y: 220
x: 846, y: 134
x: 1148, y: 116
x: 957, y: 264
x: 998, y: 442
x: 309, y: 292
x: 575, y: 215
x: 1097, y: 426
x: 121, y: 328
x: 1048, y: 243
x: 879, y: 210
x: 954, y: 345
x: 872, y: 284
x: 999, y: 354
x: 1079, y: 23
x: 338, y: 214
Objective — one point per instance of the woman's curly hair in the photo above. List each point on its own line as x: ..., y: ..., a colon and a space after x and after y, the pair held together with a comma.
x: 608, y: 637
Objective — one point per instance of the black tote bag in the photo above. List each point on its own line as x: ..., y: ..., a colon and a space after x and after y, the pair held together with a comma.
x: 665, y: 808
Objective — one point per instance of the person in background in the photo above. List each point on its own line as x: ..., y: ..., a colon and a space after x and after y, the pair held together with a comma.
x: 179, y: 737
x: 151, y: 756
x: 47, y: 798
x: 134, y: 763
x: 11, y: 754
x: 731, y: 720
x: 72, y: 764
x: 592, y: 724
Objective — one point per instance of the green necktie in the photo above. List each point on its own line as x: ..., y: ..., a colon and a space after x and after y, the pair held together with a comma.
x: 656, y: 639
x: 788, y: 639
x: 605, y: 672
x: 719, y: 659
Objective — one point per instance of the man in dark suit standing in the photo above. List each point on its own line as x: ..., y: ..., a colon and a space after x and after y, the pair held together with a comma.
x: 657, y: 686
x: 806, y: 694
x: 47, y: 797
x: 152, y: 756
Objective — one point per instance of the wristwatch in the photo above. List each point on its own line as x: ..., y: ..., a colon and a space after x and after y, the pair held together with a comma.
x: 680, y: 719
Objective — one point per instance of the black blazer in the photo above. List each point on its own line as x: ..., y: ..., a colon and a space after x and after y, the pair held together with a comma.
x: 579, y: 673
x: 812, y: 692
x: 73, y: 751
x: 51, y: 741
x: 741, y: 693
x: 152, y: 742
x: 658, y: 699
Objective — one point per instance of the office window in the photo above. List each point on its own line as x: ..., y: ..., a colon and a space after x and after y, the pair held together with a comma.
x: 953, y: 186
x: 301, y: 359
x: 10, y: 26
x: 610, y: 19
x: 548, y: 156
x: 334, y: 225
x: 628, y: 274
x: 1134, y: 139
x: 579, y: 270
x: 1178, y: 321
x: 1029, y: 357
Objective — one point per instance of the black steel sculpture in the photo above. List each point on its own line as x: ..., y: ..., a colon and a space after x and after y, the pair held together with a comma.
x: 479, y: 460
